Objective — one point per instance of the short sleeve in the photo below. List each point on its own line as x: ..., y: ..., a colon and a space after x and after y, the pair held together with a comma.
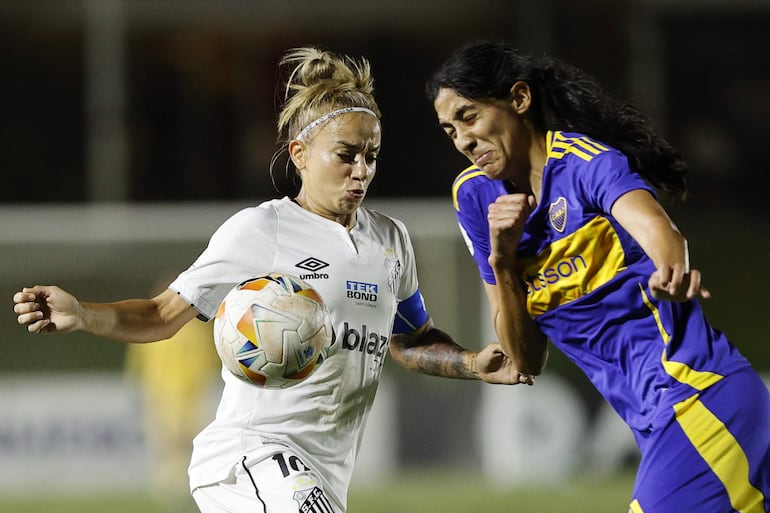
x: 472, y: 199
x: 609, y: 177
x: 407, y: 274
x: 242, y: 244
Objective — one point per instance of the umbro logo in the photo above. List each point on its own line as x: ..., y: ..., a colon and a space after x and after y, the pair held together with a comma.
x: 313, y: 265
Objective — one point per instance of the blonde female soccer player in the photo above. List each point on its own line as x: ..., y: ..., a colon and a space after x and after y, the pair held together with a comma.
x: 559, y: 209
x: 293, y: 450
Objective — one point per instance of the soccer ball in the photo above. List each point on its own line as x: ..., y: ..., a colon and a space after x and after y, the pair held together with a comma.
x: 273, y: 330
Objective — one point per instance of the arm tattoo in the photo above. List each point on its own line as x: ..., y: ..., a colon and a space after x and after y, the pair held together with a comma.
x: 434, y: 353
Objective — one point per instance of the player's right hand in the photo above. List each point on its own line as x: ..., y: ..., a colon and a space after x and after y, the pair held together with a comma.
x: 506, y: 217
x: 46, y: 309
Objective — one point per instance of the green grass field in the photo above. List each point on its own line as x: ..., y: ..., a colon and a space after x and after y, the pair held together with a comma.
x: 410, y: 493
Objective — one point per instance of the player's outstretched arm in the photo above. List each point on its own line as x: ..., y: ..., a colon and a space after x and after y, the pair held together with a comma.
x: 49, y: 309
x: 431, y: 351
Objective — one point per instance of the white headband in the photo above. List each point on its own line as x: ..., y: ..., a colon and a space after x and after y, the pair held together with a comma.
x: 302, y: 133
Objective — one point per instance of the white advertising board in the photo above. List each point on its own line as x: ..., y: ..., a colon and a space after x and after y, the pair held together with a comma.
x: 66, y: 432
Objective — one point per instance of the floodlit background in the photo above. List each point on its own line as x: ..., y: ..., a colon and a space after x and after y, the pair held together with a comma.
x: 130, y: 129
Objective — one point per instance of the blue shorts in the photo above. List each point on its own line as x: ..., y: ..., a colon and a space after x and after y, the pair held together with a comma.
x: 714, y: 455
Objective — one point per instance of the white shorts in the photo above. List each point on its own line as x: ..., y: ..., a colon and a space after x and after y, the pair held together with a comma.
x: 277, y: 483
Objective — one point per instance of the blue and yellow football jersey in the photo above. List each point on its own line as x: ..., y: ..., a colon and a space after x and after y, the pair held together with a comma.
x: 586, y: 281
x: 698, y: 411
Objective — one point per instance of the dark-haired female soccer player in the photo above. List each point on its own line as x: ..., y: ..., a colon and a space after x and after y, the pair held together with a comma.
x: 559, y: 210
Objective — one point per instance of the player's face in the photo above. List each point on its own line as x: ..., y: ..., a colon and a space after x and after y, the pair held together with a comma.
x: 486, y: 132
x: 340, y: 161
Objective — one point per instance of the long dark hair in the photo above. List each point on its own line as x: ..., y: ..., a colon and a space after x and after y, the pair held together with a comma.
x: 564, y: 98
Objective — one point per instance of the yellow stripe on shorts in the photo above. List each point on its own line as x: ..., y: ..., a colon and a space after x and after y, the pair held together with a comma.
x: 721, y: 451
x: 635, y: 507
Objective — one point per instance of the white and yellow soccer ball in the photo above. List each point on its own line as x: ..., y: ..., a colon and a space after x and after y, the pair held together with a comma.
x: 273, y: 330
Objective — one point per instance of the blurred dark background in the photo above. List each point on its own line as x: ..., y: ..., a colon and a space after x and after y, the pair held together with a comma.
x: 152, y: 100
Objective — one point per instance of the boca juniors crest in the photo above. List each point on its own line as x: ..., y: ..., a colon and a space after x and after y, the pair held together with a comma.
x: 557, y: 214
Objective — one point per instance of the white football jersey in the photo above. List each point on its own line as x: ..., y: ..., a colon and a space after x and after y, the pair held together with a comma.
x: 361, y: 275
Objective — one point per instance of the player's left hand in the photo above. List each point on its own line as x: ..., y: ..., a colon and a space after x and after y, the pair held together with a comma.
x: 493, y: 366
x: 676, y: 283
